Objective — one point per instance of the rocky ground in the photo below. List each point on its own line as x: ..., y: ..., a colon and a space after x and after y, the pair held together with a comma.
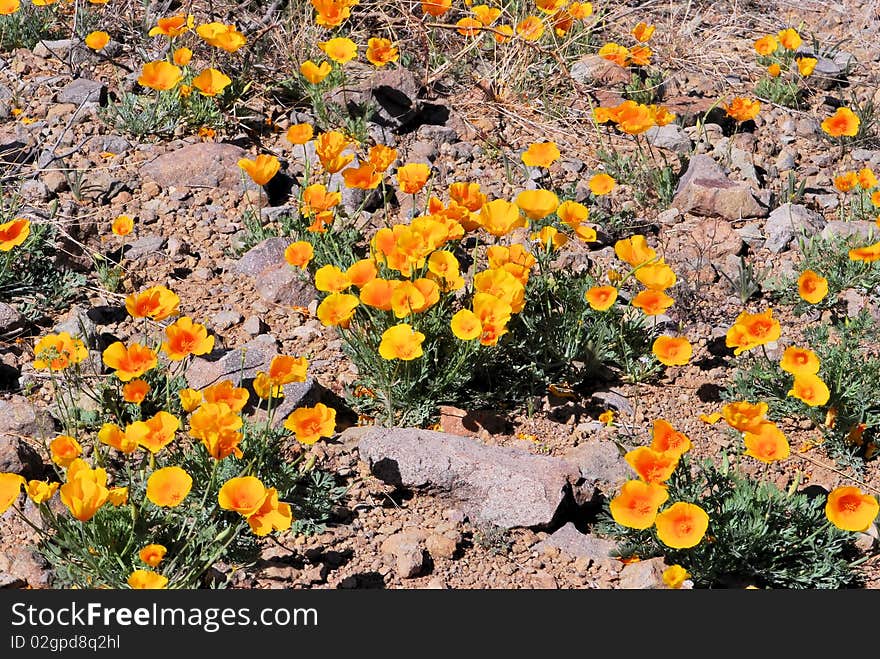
x: 500, y: 500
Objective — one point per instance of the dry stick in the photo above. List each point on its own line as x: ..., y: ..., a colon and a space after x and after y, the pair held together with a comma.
x: 837, y: 471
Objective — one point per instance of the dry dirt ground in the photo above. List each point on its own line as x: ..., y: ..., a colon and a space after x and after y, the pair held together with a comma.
x: 187, y: 239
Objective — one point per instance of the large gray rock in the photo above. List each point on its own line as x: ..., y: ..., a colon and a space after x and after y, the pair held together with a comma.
x: 844, y: 229
x: 281, y: 284
x: 788, y: 221
x: 201, y: 165
x: 240, y: 364
x: 705, y: 190
x: 83, y: 90
x: 11, y: 321
x: 643, y: 575
x: 593, y: 69
x: 670, y: 137
x: 601, y: 463
x: 580, y: 545
x: 506, y: 487
x: 262, y: 255
x: 23, y: 426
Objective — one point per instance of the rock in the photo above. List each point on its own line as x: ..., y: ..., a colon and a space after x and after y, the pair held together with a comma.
x: 21, y: 421
x: 788, y: 221
x: 83, y: 90
x: 78, y: 324
x: 643, y: 575
x: 34, y: 191
x: 580, y: 545
x: 601, y: 463
x: 831, y: 72
x: 55, y: 181
x: 474, y: 423
x: 144, y: 246
x: 844, y: 229
x: 101, y: 186
x: 670, y: 137
x: 11, y: 321
x: 253, y: 326
x: 21, y: 564
x: 592, y: 69
x: 543, y: 580
x: 225, y: 319
x: 236, y: 365
x: 299, y: 394
x: 696, y: 246
x: 613, y: 399
x: 705, y: 190
x: 262, y: 255
x: 441, y: 546
x: 785, y: 161
x: 393, y: 93
x: 405, y: 548
x: 506, y: 487
x: 281, y: 284
x: 200, y: 165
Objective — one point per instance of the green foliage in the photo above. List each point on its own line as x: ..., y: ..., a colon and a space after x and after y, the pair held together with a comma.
x: 142, y: 115
x: 650, y: 180
x: 780, y: 91
x: 746, y: 281
x: 30, y: 276
x: 103, y: 551
x: 644, y: 86
x: 828, y: 257
x: 28, y: 26
x: 850, y: 368
x: 758, y: 534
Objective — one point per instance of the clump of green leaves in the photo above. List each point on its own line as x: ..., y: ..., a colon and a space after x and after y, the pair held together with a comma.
x: 828, y: 257
x: 652, y: 179
x: 28, y: 26
x: 758, y: 534
x: 849, y: 366
x: 31, y: 279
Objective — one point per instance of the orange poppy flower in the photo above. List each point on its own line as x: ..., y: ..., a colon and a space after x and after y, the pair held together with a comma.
x: 271, y: 516
x: 850, y: 509
x: 9, y: 7
x: 262, y: 169
x: 637, y: 504
x: 14, y: 233
x: 97, y: 40
x: 766, y: 443
x: 843, y: 123
x: 601, y: 298
x: 225, y: 37
x: 182, y: 56
x: 601, y: 184
x: 751, y: 330
x: 652, y: 302
x: 615, y: 53
x: 113, y: 436
x: 812, y: 287
x: 682, y: 525
x: 153, y: 554
x: 436, y: 7
x: 337, y: 309
x: 160, y: 75
x: 329, y: 147
x: 499, y: 217
x: 244, y: 495
x: 131, y: 362
x: 466, y: 325
x: 401, y: 342
x: 211, y: 82
x: 64, y: 449
x: 217, y: 425
x: 810, y: 388
x: 168, y: 487
x: 299, y: 254
x: 38, y: 491
x: 314, y: 73
x: 537, y: 204
x: 766, y: 45
x: 85, y: 490
x: 666, y: 438
x: 156, y: 302
x: 340, y: 49
x: 672, y: 351
x: 530, y: 28
x: 309, y: 424
x: 381, y: 51
x: 806, y: 65
x: 799, y: 361
x: 58, y: 351
x: 122, y: 226
x: 867, y: 254
x: 742, y: 109
x: 634, y: 250
x: 656, y: 276
x: 412, y: 177
x: 172, y: 26
x: 790, y: 39
x: 155, y: 433
x: 745, y: 416
x: 332, y: 13
x: 135, y: 391
x: 643, y: 32
x: 541, y: 154
x: 652, y: 466
x: 674, y: 576
x: 185, y: 338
